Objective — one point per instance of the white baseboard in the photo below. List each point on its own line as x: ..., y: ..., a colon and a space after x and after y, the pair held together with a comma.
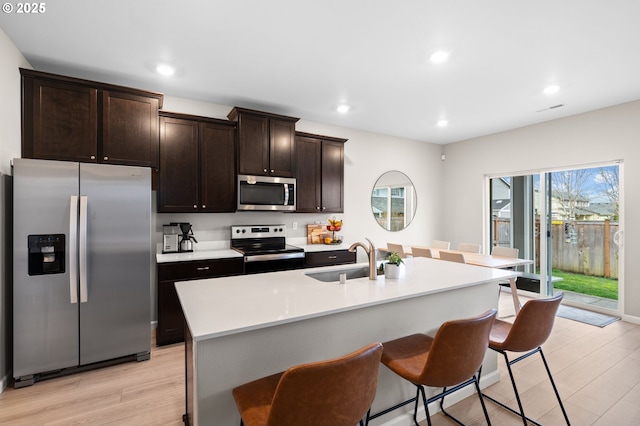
x: 630, y: 318
x: 407, y: 418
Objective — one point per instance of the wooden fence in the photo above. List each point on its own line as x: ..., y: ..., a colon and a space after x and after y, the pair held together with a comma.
x: 585, y: 248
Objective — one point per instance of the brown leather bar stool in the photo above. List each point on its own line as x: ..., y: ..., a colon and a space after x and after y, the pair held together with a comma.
x: 451, y: 360
x: 337, y: 392
x: 530, y: 329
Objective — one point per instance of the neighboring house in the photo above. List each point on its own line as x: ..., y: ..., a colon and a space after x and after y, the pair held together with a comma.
x: 501, y: 198
x: 580, y: 209
x: 501, y: 208
x: 601, y: 211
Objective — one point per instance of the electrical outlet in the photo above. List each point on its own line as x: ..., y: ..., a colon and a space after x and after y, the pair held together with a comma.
x: 294, y: 225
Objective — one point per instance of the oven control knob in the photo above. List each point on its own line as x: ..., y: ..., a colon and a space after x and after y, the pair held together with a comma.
x: 244, y: 230
x: 280, y: 229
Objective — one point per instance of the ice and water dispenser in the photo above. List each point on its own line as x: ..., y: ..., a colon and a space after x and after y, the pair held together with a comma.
x: 46, y: 254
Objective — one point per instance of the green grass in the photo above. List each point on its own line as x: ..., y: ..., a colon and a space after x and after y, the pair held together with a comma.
x: 594, y: 286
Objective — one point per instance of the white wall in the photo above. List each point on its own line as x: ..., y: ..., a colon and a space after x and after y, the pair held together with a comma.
x: 12, y: 59
x: 594, y: 137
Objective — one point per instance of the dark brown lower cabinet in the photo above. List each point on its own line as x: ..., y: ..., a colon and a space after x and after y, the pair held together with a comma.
x: 328, y: 258
x: 170, y: 317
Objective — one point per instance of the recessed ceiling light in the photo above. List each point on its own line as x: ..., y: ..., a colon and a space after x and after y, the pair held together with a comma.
x: 442, y: 123
x: 551, y: 90
x: 165, y: 70
x: 439, y: 57
x: 343, y: 108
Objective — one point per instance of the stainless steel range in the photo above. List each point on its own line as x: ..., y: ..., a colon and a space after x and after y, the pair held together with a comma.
x: 265, y: 249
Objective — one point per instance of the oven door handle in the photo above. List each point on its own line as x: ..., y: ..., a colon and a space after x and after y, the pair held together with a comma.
x: 275, y: 256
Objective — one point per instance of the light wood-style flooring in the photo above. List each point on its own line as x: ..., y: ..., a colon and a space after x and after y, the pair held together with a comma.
x: 596, y: 369
x: 134, y: 393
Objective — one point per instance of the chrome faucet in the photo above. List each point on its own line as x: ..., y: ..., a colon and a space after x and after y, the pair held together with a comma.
x: 371, y: 253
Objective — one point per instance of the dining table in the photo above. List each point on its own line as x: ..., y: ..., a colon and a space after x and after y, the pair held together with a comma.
x: 487, y: 261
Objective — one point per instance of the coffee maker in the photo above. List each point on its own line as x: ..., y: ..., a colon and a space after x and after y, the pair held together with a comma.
x: 187, y: 239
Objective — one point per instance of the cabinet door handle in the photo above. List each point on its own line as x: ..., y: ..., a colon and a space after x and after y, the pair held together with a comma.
x: 195, y: 206
x: 333, y: 257
x: 204, y: 206
x: 323, y: 207
x: 317, y: 207
x: 106, y: 158
x: 271, y: 170
x: 202, y: 268
x: 93, y: 157
x: 264, y: 170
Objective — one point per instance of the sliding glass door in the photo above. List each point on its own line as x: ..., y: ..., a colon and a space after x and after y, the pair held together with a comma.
x: 568, y: 222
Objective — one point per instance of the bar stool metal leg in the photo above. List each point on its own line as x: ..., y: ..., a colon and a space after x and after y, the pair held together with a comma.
x: 526, y: 419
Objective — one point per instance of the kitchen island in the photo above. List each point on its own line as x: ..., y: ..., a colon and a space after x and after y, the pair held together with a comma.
x: 245, y: 327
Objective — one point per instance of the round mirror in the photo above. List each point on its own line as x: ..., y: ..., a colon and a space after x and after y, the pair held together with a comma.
x: 393, y: 201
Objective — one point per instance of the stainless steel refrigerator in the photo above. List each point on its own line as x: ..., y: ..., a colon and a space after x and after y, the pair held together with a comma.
x: 82, y: 265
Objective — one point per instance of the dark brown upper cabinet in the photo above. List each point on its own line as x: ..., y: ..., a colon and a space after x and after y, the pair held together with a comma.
x: 320, y: 180
x: 65, y: 118
x: 197, y: 164
x: 266, y: 143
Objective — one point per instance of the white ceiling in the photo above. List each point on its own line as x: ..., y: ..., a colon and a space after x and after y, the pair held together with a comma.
x: 303, y: 58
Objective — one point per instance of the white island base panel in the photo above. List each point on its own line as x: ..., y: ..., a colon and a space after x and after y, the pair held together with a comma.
x: 218, y: 362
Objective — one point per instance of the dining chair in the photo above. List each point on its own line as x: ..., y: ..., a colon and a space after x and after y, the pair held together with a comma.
x: 438, y: 244
x: 504, y: 251
x: 421, y: 252
x: 530, y: 329
x: 469, y: 248
x: 510, y: 252
x: 397, y: 248
x: 450, y: 360
x: 337, y: 392
x: 452, y: 256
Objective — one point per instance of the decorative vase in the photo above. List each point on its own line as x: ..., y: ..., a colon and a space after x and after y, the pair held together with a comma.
x: 392, y: 271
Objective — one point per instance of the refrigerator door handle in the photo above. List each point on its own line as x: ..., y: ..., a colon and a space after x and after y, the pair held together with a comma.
x: 73, y: 249
x: 83, y: 249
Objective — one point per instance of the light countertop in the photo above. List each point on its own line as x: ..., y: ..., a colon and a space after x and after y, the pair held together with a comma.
x: 223, y: 306
x: 322, y: 247
x: 197, y: 255
x: 208, y: 251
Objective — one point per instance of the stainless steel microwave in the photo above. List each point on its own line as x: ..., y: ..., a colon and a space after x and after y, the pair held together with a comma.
x: 266, y: 193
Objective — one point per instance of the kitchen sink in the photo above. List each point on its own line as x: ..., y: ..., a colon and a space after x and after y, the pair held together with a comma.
x: 334, y: 275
